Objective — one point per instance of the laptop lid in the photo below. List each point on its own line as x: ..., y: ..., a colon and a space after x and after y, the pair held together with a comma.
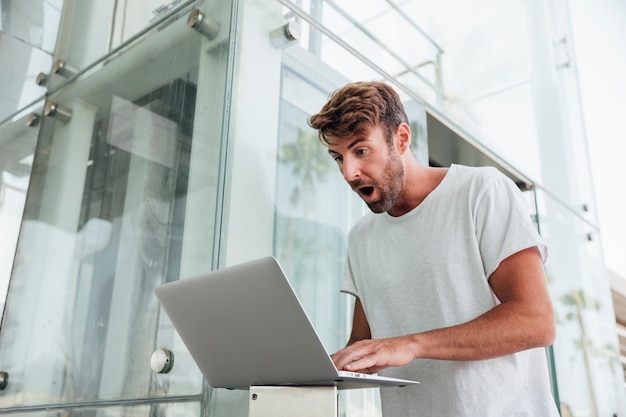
x: 244, y: 325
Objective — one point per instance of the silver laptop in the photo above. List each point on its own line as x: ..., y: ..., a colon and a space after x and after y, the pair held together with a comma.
x: 244, y: 325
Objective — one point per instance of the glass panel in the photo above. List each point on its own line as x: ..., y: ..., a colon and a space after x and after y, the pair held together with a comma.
x: 586, y: 350
x: 28, y: 30
x: 95, y: 28
x: 85, y: 33
x: 310, y: 236
x: 131, y: 16
x: 17, y: 146
x: 558, y: 110
x: 19, y: 65
x: 34, y: 22
x: 123, y: 196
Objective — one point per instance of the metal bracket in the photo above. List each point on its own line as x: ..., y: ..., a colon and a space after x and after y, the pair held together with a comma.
x: 53, y: 109
x: 32, y: 120
x: 202, y: 23
x: 42, y: 79
x: 162, y: 361
x: 61, y: 68
x: 285, y: 35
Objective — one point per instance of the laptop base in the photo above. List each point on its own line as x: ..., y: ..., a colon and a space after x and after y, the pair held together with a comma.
x: 271, y: 401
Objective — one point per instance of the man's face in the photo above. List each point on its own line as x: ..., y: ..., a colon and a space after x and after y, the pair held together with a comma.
x: 373, y: 169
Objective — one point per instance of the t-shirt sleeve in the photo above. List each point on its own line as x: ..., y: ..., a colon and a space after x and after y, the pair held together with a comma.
x: 348, y: 286
x: 503, y: 223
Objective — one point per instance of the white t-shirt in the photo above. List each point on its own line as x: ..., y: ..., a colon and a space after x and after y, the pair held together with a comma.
x: 429, y: 269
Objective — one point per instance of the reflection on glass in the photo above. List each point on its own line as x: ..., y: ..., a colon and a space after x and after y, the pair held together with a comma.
x: 34, y: 22
x: 17, y: 145
x: 309, y: 237
x: 20, y: 64
x: 133, y: 16
x: 126, y: 240
x: 106, y: 220
x: 28, y: 31
x: 586, y: 350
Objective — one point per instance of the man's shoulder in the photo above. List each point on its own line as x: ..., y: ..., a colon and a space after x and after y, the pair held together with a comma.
x: 475, y: 178
x: 365, y: 223
x: 481, y: 172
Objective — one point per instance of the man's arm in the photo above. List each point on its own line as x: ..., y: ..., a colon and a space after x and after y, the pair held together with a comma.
x: 360, y: 326
x: 523, y: 320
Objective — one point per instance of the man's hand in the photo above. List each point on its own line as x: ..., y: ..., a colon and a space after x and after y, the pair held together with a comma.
x: 369, y: 356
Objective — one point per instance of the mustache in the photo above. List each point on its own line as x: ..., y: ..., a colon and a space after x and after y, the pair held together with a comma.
x: 355, y: 183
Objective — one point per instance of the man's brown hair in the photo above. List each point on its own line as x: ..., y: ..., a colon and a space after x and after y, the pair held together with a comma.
x: 357, y: 107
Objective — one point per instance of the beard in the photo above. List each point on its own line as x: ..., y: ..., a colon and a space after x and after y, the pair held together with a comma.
x: 390, y: 187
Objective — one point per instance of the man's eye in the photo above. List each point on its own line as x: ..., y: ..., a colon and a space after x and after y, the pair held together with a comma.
x: 338, y: 158
x: 361, y: 152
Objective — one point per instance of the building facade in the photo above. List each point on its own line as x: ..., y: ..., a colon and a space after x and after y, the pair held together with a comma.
x: 142, y: 143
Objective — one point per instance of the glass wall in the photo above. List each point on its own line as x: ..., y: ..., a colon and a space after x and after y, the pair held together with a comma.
x: 28, y: 30
x: 586, y: 351
x: 124, y: 194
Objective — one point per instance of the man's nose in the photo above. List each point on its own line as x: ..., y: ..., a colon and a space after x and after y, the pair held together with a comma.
x: 350, y: 169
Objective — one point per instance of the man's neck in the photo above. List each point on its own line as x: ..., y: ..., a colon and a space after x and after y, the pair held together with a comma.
x: 419, y: 182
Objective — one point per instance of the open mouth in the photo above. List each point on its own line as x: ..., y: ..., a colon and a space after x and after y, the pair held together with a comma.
x: 366, y: 191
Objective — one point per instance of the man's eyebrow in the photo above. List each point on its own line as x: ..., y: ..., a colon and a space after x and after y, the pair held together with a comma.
x: 350, y: 146
x: 355, y: 142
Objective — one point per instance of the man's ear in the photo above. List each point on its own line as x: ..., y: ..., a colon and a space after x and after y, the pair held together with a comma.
x: 403, y: 133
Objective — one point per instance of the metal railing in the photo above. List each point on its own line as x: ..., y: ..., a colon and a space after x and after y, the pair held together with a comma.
x: 315, y: 19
